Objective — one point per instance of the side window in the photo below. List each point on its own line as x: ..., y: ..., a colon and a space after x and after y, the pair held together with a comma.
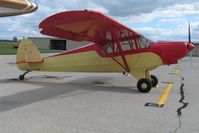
x: 127, y: 40
x: 133, y: 44
x: 110, y: 48
x: 128, y: 45
x: 125, y: 45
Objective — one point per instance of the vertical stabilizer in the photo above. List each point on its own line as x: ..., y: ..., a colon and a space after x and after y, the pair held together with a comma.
x: 27, y: 55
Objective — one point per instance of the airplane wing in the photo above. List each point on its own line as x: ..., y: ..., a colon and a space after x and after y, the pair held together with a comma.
x: 85, y: 25
x: 16, y: 7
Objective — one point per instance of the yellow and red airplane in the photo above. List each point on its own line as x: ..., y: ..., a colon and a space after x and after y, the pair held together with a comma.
x: 16, y: 7
x: 115, y: 48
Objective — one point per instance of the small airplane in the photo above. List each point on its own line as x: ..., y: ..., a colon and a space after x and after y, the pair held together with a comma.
x: 115, y: 48
x: 16, y: 7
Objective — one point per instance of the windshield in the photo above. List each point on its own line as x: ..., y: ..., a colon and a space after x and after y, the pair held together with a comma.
x: 144, y: 42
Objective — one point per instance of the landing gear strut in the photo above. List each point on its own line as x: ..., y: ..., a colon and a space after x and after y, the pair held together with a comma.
x: 22, y: 77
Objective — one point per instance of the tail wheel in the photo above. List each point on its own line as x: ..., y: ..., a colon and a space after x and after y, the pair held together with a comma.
x: 144, y: 85
x: 21, y: 77
x: 154, y: 80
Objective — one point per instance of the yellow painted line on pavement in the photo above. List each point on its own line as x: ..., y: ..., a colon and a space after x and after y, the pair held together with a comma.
x: 163, y: 98
x: 177, y: 71
x: 165, y: 94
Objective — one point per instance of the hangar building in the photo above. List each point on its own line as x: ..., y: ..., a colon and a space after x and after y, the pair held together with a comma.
x: 56, y: 43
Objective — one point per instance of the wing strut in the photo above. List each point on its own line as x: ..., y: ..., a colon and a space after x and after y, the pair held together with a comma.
x: 116, y: 39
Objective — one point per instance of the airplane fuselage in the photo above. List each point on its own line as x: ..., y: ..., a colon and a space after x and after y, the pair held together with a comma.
x: 91, y: 58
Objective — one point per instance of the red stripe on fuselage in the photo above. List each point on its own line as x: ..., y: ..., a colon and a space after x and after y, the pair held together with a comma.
x: 24, y: 62
x: 98, y: 49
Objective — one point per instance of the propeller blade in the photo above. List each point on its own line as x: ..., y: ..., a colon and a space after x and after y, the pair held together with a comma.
x: 189, y: 38
x: 189, y: 33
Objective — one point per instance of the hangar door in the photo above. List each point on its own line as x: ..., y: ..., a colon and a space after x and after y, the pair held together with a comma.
x: 58, y: 44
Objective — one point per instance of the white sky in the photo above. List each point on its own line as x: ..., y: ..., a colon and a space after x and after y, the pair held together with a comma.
x: 156, y: 19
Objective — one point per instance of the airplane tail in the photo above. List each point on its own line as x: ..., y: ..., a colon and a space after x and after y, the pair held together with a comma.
x: 28, y: 56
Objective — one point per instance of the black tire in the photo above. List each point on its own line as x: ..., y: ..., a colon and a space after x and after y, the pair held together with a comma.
x: 21, y: 77
x: 154, y: 80
x: 144, y: 85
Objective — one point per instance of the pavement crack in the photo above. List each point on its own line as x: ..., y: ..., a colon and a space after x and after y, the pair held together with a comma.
x: 184, y: 105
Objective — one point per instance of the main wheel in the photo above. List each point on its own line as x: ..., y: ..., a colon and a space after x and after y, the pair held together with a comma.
x: 154, y: 80
x: 21, y: 77
x: 144, y: 85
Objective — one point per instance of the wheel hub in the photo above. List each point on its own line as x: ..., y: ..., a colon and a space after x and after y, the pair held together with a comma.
x: 144, y: 85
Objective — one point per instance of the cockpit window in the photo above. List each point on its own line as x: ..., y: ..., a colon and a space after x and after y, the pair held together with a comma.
x: 144, y: 42
x: 127, y: 44
x: 110, y: 48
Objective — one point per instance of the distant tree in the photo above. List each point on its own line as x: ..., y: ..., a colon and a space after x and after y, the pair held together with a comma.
x: 15, y: 39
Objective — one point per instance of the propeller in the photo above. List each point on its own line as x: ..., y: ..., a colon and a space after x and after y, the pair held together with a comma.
x: 190, y: 45
x: 189, y: 39
x: 189, y: 33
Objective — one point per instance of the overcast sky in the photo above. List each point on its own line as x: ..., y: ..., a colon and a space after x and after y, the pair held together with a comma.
x: 156, y: 19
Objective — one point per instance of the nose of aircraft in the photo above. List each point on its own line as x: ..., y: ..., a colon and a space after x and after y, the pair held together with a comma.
x: 190, y: 46
x: 171, y: 52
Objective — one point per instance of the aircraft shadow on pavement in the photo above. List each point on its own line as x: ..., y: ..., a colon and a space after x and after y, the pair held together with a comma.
x: 51, y: 90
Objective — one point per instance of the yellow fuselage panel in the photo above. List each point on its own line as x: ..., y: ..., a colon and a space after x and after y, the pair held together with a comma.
x: 92, y: 62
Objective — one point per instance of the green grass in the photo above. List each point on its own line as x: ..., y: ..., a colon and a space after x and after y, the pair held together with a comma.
x: 9, y: 50
x: 8, y: 43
